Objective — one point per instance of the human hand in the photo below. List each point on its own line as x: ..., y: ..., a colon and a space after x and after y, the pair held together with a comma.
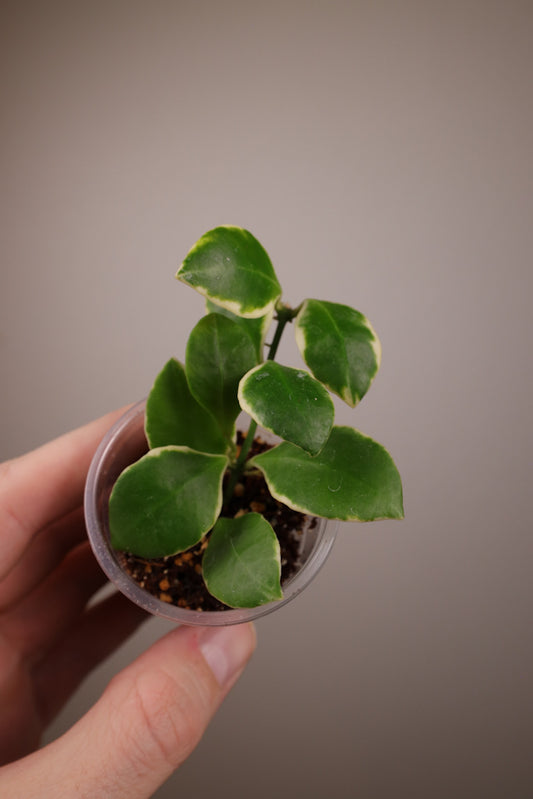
x: 154, y: 712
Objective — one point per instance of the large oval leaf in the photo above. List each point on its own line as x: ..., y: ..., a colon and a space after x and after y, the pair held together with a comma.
x: 339, y: 346
x: 353, y: 478
x: 173, y: 416
x: 255, y: 328
x: 219, y: 352
x: 231, y: 268
x: 166, y: 501
x: 289, y: 403
x: 242, y: 563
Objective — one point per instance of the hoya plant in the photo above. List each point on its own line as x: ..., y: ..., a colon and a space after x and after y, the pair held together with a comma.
x: 172, y: 498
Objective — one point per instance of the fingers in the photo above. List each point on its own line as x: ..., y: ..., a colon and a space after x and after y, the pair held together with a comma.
x: 101, y: 630
x: 46, y: 552
x: 44, y: 485
x: 37, y: 623
x: 31, y: 697
x: 148, y: 721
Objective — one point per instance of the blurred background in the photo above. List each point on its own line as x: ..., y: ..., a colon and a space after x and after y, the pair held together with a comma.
x: 381, y: 152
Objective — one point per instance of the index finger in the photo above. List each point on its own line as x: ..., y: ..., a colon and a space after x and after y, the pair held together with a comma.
x: 40, y: 487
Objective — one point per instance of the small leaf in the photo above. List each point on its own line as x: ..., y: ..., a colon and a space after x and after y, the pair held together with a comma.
x: 339, y: 346
x: 256, y: 328
x: 231, y: 268
x: 242, y: 564
x: 166, y: 501
x: 219, y: 352
x: 289, y: 403
x: 173, y: 416
x: 353, y: 478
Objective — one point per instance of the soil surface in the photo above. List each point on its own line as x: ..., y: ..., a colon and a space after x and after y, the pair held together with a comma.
x: 178, y: 579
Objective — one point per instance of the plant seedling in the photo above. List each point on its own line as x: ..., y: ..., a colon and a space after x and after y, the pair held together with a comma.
x: 172, y: 497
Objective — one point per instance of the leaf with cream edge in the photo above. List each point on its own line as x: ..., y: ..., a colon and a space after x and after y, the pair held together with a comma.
x: 289, y: 403
x: 219, y: 352
x: 257, y: 328
x: 242, y: 562
x: 353, y: 478
x: 166, y: 501
x: 340, y: 347
x: 173, y: 416
x: 230, y: 267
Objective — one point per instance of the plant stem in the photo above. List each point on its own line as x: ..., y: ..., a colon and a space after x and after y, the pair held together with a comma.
x: 241, y: 460
x: 285, y: 314
x: 282, y: 321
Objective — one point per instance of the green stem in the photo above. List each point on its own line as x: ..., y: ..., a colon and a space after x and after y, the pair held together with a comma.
x: 282, y: 321
x: 285, y: 315
x: 241, y: 460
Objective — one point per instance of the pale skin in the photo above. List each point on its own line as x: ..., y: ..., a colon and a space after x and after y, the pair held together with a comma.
x: 154, y: 712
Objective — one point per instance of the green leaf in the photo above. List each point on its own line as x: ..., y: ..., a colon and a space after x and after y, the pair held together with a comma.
x: 166, y: 501
x: 353, y: 478
x: 173, y: 416
x: 242, y: 564
x: 256, y: 328
x: 231, y: 268
x: 339, y: 346
x: 219, y: 352
x: 289, y: 403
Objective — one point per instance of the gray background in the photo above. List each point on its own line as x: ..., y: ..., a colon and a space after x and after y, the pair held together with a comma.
x: 381, y: 152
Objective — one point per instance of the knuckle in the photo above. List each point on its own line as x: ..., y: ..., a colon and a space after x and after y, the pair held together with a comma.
x: 166, y: 720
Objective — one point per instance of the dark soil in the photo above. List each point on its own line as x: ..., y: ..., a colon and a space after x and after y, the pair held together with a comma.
x: 178, y: 579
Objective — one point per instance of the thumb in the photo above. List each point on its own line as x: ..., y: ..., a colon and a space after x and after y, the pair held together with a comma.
x: 146, y: 723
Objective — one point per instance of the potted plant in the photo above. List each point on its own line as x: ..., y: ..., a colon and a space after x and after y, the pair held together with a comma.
x: 178, y: 488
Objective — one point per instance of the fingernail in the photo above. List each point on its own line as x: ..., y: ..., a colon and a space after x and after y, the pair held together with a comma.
x: 226, y: 650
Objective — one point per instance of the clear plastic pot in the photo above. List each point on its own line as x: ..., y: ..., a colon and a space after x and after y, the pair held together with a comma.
x: 123, y: 444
